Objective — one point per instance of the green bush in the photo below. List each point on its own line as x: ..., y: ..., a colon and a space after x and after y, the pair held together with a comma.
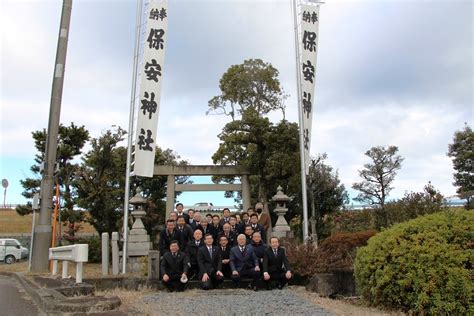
x: 95, y: 247
x: 334, y: 254
x: 424, y: 266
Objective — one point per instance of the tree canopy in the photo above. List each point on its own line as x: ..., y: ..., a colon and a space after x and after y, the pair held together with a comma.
x: 462, y: 152
x: 253, y: 85
x: 378, y: 175
x: 71, y: 140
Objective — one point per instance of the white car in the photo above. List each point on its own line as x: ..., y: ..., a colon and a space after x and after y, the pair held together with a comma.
x: 11, y: 251
x: 203, y: 206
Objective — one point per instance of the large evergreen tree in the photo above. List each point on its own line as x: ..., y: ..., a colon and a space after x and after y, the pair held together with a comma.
x: 71, y: 140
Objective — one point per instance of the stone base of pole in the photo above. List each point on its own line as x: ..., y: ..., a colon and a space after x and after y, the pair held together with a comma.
x: 40, y: 259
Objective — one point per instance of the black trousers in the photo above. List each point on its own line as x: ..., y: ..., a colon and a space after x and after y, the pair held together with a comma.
x: 276, y: 277
x: 212, y: 282
x: 174, y: 283
x: 249, y: 273
x: 226, y: 270
x: 193, y: 271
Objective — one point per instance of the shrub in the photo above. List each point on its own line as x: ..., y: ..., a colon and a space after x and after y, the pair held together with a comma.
x: 335, y: 254
x: 354, y: 221
x: 95, y: 248
x: 421, y: 266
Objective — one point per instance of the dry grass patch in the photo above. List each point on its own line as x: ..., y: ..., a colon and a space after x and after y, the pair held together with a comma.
x: 12, y: 223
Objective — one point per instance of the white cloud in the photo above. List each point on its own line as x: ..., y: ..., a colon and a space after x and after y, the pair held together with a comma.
x: 389, y: 73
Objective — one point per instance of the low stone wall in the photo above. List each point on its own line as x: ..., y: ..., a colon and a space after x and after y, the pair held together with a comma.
x: 332, y: 284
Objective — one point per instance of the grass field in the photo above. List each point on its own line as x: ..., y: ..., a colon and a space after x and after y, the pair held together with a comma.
x: 12, y: 223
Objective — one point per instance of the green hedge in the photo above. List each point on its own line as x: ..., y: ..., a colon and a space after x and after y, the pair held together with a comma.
x: 423, y: 266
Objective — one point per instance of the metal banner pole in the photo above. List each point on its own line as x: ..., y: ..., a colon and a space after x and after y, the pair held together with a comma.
x: 130, y: 136
x: 300, y: 116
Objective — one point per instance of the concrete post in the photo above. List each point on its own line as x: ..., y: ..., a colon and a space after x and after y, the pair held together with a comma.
x: 78, y: 272
x: 115, y: 253
x: 65, y: 266
x: 245, y: 192
x: 170, y: 195
x: 105, y: 253
x: 154, y: 264
x: 55, y: 267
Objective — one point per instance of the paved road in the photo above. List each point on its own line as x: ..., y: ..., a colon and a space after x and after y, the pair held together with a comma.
x: 14, y: 300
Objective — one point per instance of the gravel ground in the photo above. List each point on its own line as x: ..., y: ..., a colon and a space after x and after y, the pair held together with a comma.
x: 228, y: 302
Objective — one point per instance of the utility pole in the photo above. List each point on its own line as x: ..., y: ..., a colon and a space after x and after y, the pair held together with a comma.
x: 42, y: 236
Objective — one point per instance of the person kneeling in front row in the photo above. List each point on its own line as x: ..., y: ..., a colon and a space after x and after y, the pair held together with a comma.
x: 244, y: 263
x: 174, y: 267
x: 276, y: 267
x: 210, y: 264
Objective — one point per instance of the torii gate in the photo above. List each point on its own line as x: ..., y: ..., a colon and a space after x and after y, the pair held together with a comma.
x: 203, y: 170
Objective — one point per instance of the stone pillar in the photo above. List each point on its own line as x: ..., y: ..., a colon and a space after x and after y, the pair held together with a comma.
x: 281, y: 229
x: 115, y: 253
x: 170, y: 195
x: 105, y: 253
x: 138, y: 241
x: 245, y: 192
x: 154, y: 264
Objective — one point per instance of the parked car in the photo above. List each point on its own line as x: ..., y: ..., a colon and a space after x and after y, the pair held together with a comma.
x: 11, y: 251
x: 203, y: 206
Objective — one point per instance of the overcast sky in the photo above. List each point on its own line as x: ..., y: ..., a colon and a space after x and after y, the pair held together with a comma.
x: 389, y: 73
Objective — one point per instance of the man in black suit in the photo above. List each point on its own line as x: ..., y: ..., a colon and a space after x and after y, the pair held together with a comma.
x: 174, y: 268
x: 226, y: 216
x: 167, y: 235
x: 192, y: 249
x: 248, y: 232
x: 215, y: 227
x: 231, y: 236
x: 244, y: 263
x: 233, y: 224
x: 257, y: 227
x: 180, y: 212
x: 184, y: 229
x: 224, y: 250
x: 245, y: 221
x: 258, y: 247
x: 275, y: 265
x: 210, y: 264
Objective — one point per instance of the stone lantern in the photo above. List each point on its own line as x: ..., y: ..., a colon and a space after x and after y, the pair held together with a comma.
x: 281, y: 228
x: 138, y: 240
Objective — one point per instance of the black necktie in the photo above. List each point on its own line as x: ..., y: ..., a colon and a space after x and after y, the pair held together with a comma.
x: 275, y: 252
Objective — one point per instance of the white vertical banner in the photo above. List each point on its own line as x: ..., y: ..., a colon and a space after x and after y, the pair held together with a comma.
x: 309, y: 48
x: 150, y: 87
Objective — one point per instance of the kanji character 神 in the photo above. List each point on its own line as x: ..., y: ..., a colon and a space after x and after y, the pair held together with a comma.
x: 149, y: 106
x: 307, y: 105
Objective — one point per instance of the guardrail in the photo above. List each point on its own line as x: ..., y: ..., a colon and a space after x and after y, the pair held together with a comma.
x: 78, y: 253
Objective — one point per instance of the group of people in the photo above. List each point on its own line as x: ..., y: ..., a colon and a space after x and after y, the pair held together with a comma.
x: 210, y: 248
